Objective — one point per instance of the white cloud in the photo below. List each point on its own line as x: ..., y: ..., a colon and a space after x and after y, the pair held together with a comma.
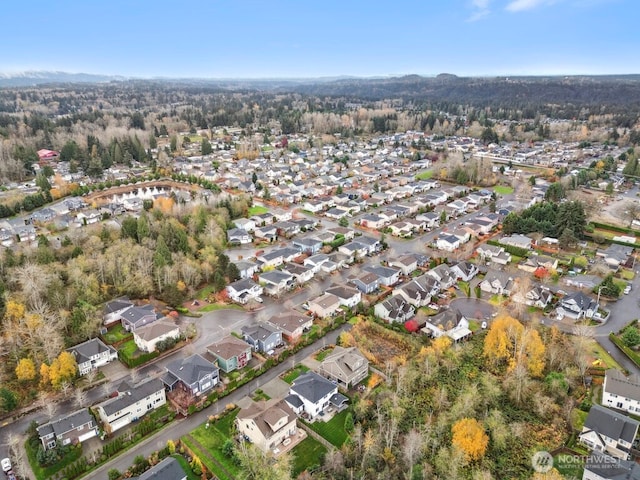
x: 480, y: 10
x: 521, y: 5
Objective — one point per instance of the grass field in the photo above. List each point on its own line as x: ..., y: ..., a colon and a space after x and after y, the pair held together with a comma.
x: 115, y: 334
x: 503, y: 189
x: 220, y: 306
x: 426, y: 175
x: 185, y: 466
x: 577, y: 419
x: 600, y: 353
x: 307, y: 453
x: 257, y: 210
x: 213, y: 438
x: 294, y: 373
x: 323, y: 354
x: 333, y: 431
x: 128, y: 348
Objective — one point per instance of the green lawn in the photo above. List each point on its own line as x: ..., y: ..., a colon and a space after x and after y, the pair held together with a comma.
x: 323, y: 354
x: 474, y: 325
x: 426, y: 175
x: 333, y: 430
x: 626, y: 274
x: 497, y: 300
x: 294, y: 373
x: 220, y: 306
x: 128, y: 348
x: 185, y: 466
x: 213, y: 438
x: 307, y: 454
x: 600, y: 353
x: 257, y: 210
x: 115, y: 334
x: 577, y: 419
x: 465, y: 287
x: 204, y: 292
x: 503, y: 189
x: 260, y: 395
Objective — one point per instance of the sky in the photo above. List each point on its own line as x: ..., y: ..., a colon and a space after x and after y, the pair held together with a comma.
x: 328, y: 38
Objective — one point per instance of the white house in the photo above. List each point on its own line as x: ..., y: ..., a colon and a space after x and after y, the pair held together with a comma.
x: 609, y: 432
x: 148, y: 337
x: 310, y: 394
x: 92, y: 354
x: 267, y: 426
x: 244, y: 290
x: 620, y: 392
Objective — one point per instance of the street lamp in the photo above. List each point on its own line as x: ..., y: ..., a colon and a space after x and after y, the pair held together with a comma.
x: 599, y: 290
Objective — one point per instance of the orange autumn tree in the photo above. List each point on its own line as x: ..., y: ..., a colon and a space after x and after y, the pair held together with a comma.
x: 469, y: 436
x: 509, y: 342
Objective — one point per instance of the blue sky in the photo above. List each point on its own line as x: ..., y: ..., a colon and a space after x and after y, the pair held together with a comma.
x: 310, y: 38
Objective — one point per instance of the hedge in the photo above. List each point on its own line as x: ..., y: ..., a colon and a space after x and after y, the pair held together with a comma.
x: 633, y: 356
x: 614, y: 228
x: 517, y: 251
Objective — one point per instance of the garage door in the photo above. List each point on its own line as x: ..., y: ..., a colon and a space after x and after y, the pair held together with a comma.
x: 87, y: 436
x: 121, y: 422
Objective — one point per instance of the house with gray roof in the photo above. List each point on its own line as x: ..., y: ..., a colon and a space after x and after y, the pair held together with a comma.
x: 131, y: 403
x: 167, y: 469
x: 394, y: 309
x: 92, y: 354
x: 451, y: 323
x: 73, y: 428
x: 600, y: 466
x: 345, y: 366
x: 291, y: 323
x: 241, y: 291
x: 577, y: 305
x: 194, y: 375
x: 609, y: 432
x: 276, y: 282
x: 262, y: 337
x: 310, y: 394
x: 621, y: 392
x: 135, y: 317
x: 387, y: 276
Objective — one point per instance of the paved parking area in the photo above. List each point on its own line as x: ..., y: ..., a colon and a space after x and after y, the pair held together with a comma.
x: 276, y: 388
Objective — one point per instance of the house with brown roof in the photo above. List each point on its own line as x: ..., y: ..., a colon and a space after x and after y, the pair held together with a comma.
x: 291, y: 323
x: 148, y: 337
x: 269, y: 425
x: 231, y: 353
x: 325, y: 305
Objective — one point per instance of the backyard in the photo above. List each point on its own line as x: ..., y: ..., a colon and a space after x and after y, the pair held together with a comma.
x: 307, y: 454
x: 294, y: 373
x: 116, y: 334
x: 426, y: 175
x: 257, y: 210
x: 332, y: 431
x: 503, y: 190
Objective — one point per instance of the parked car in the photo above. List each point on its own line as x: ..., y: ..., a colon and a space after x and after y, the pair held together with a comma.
x: 5, y: 463
x: 259, y: 299
x: 627, y: 290
x: 484, y: 325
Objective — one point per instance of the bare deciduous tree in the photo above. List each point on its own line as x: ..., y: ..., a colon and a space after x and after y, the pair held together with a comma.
x: 80, y: 397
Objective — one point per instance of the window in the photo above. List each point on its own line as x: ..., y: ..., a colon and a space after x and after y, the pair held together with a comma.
x: 619, y: 405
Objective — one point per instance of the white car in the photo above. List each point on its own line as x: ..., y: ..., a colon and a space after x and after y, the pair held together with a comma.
x: 627, y: 290
x: 259, y: 299
x: 484, y: 325
x: 6, y: 464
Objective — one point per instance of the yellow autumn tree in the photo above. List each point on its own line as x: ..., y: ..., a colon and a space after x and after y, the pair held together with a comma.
x: 62, y: 369
x: 509, y: 342
x: 14, y: 311
x: 45, y: 379
x: 469, y: 436
x: 25, y: 370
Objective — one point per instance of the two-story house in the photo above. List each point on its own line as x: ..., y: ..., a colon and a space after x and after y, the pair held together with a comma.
x: 394, y: 308
x: 241, y: 291
x: 136, y: 317
x: 346, y: 366
x: 349, y: 296
x: 194, y: 375
x: 387, y: 276
x: 609, y: 432
x: 310, y: 394
x: 451, y: 323
x: 92, y: 354
x: 267, y: 426
x: 130, y: 404
x: 148, y: 337
x: 577, y: 305
x: 167, y: 469
x: 73, y: 428
x: 262, y: 337
x: 326, y: 305
x: 620, y: 392
x: 291, y: 323
x: 231, y: 353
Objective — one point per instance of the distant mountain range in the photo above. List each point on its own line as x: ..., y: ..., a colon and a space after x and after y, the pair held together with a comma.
x: 29, y: 78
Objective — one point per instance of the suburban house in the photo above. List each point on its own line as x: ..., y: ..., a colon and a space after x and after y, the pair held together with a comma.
x: 114, y: 309
x: 245, y: 223
x: 167, y: 469
x: 418, y: 292
x: 371, y: 220
x: 620, y: 392
x: 534, y: 262
x: 448, y: 243
x: 262, y: 337
x: 273, y: 259
x: 292, y: 324
x: 615, y: 255
x: 315, y: 262
x: 92, y: 354
x: 406, y: 263
x: 147, y: 337
x: 246, y: 269
x: 193, y: 375
x: 444, y: 275
x: 346, y: 366
x: 577, y: 305
x: 600, y: 466
x: 366, y: 282
x: 267, y: 426
x: 538, y: 297
x: 517, y: 240
x: 493, y: 254
x: 276, y: 282
x: 464, y: 271
x: 231, y: 353
x: 395, y: 308
x: 325, y: 305
x: 136, y: 317
x: 73, y: 428
x: 387, y: 276
x: 301, y: 274
x: 349, y: 296
x: 241, y: 291
x: 497, y: 283
x: 130, y: 404
x: 609, y: 432
x: 310, y: 394
x: 449, y: 322
x: 308, y: 245
x: 238, y: 236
